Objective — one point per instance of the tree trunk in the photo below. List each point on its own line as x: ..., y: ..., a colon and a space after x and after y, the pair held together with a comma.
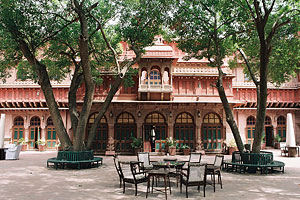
x: 46, y: 87
x: 108, y: 99
x: 88, y: 79
x: 229, y: 116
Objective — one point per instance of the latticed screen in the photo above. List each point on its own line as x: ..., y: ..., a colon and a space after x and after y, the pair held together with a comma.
x: 101, y: 137
x: 250, y: 129
x: 268, y: 120
x: 35, y: 121
x: 212, y: 132
x: 281, y: 128
x: 185, y: 130
x: 124, y: 129
x: 18, y: 129
x: 155, y: 77
x: 154, y: 118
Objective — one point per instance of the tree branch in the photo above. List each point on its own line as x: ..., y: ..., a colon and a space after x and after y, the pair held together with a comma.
x: 254, y: 79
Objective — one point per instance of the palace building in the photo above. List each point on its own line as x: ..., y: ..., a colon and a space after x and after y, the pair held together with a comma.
x: 173, y: 95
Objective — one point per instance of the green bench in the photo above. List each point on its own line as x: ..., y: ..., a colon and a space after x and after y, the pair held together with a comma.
x: 253, y: 162
x: 75, y: 158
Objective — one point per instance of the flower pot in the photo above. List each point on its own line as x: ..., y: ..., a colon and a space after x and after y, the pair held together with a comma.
x: 136, y: 150
x: 186, y: 151
x: 263, y: 146
x: 24, y: 147
x: 172, y: 151
x: 41, y: 147
x: 277, y: 145
x: 231, y: 150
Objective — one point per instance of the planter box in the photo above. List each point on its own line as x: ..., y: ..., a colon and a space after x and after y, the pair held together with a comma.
x: 172, y: 151
x: 277, y: 145
x: 24, y: 147
x: 231, y: 150
x: 186, y: 151
x: 42, y: 147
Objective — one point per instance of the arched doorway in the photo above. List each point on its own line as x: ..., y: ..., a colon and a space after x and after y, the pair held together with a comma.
x: 18, y: 129
x: 281, y: 127
x: 100, y: 141
x: 212, y: 134
x: 52, y: 138
x: 35, y: 132
x: 125, y: 127
x: 158, y: 121
x: 268, y: 131
x: 184, y: 130
x: 250, y: 128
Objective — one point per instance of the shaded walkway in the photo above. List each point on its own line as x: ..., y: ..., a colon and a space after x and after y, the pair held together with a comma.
x: 28, y: 178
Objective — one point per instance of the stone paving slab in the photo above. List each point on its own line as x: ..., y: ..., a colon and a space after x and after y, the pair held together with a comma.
x: 29, y: 179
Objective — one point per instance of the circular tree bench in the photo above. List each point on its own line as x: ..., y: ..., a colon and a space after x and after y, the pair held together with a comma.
x: 253, y: 162
x: 75, y: 158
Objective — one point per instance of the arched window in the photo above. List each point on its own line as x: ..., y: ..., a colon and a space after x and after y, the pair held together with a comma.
x: 35, y: 132
x: 18, y: 129
x: 156, y: 120
x: 51, y: 136
x: 268, y: 121
x: 281, y: 128
x: 212, y: 136
x: 184, y: 130
x: 250, y: 128
x: 124, y: 129
x: 155, y: 78
x: 100, y: 141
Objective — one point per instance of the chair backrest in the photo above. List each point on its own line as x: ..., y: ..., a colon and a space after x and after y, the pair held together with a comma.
x: 218, y: 160
x: 196, y: 172
x: 195, y: 158
x: 236, y: 157
x: 145, y: 158
x: 116, y: 160
x: 124, y: 168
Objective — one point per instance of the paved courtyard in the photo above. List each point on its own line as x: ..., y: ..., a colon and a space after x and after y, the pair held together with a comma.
x: 29, y: 178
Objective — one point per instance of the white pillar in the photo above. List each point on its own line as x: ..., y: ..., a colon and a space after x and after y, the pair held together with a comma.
x: 2, y: 124
x: 290, y: 136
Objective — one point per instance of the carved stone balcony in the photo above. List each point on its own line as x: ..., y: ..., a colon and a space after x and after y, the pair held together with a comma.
x: 155, y: 88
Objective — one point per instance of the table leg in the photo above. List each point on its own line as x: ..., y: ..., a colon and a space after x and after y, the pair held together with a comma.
x: 165, y: 187
x: 148, y: 186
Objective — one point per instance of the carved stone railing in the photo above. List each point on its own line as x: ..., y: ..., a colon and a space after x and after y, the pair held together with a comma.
x: 155, y: 88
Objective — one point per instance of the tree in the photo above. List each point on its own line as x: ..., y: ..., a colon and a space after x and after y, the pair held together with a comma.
x: 205, y: 29
x: 274, y: 25
x: 33, y: 43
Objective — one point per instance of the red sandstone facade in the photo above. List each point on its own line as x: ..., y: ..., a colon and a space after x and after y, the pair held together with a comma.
x: 174, y: 95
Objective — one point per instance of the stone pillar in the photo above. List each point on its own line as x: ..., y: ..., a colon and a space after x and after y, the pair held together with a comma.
x: 2, y: 125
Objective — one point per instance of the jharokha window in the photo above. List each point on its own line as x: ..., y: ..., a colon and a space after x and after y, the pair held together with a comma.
x: 18, y: 129
x: 212, y: 136
x: 250, y: 128
x: 100, y: 141
x: 281, y: 128
x: 125, y: 128
x: 184, y: 129
x: 52, y: 138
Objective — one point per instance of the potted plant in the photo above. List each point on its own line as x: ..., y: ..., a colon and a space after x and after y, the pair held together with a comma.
x: 171, y: 143
x: 41, y: 144
x: 136, y: 144
x: 232, y: 147
x: 22, y: 142
x: 277, y: 142
x: 186, y: 149
x: 58, y: 147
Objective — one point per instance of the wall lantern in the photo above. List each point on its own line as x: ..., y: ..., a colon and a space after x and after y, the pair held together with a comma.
x: 43, y: 118
x: 198, y: 114
x: 139, y: 114
x: 25, y: 117
x: 170, y: 114
x: 111, y: 114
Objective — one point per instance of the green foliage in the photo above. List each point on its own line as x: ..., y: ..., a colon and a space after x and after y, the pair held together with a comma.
x: 171, y: 142
x: 185, y: 146
x: 40, y: 142
x: 277, y: 138
x: 21, y: 141
x: 136, y: 142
